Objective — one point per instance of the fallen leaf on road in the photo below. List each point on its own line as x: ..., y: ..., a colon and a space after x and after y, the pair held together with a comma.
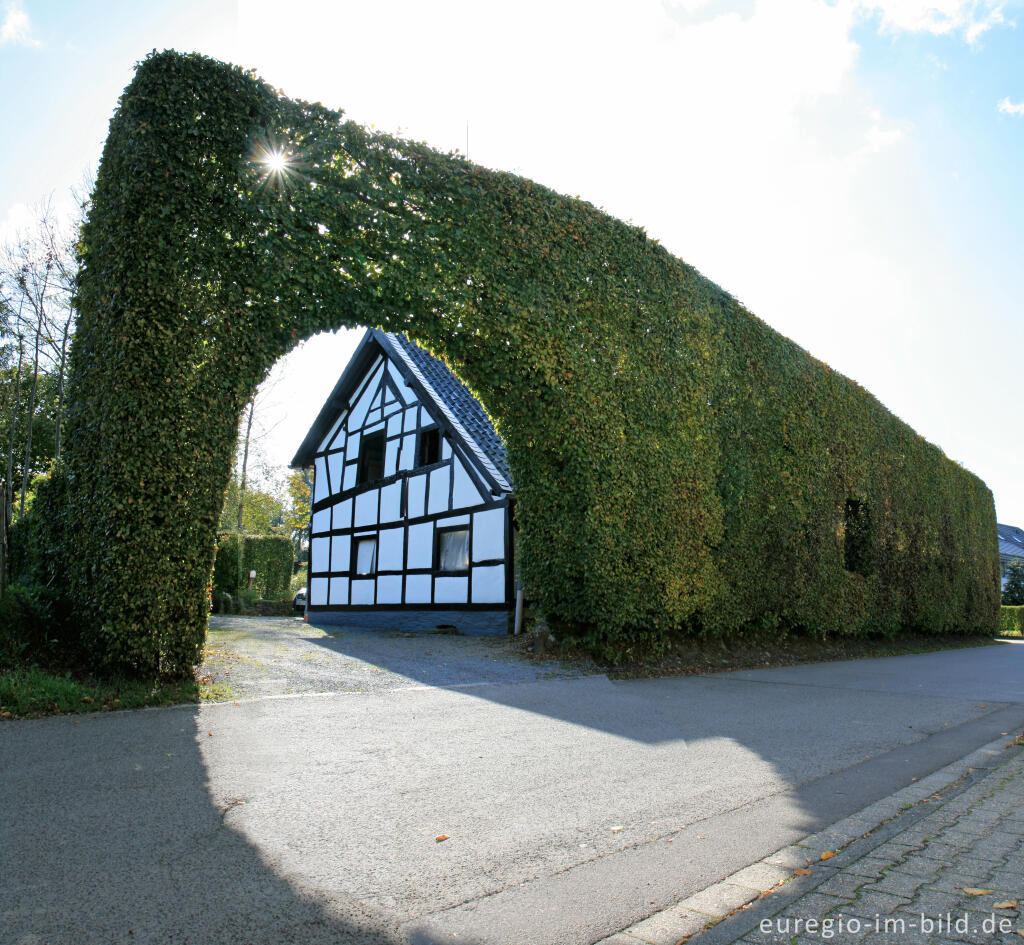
x: 440, y: 838
x: 801, y: 872
x: 617, y: 829
x: 974, y: 891
x: 827, y: 855
x: 1009, y: 904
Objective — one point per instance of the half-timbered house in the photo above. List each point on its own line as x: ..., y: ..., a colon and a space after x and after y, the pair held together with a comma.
x: 411, y: 520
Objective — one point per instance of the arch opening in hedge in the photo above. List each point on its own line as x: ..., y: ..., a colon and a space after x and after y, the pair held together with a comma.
x: 677, y: 464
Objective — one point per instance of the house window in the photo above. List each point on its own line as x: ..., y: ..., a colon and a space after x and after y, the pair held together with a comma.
x: 857, y: 552
x: 366, y: 555
x: 453, y: 550
x: 371, y: 458
x: 429, y: 450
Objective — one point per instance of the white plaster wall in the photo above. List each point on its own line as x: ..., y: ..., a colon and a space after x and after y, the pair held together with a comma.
x: 421, y: 546
x: 417, y: 588
x: 489, y: 584
x: 366, y: 508
x: 362, y: 406
x: 438, y: 498
x: 417, y: 491
x: 317, y: 591
x: 341, y: 548
x: 319, y: 554
x: 336, y: 463
x: 389, y: 549
x: 451, y: 590
x: 391, y: 502
x: 339, y: 590
x: 321, y: 522
x: 319, y: 479
x: 389, y: 589
x: 464, y: 492
x: 342, y: 515
x: 362, y: 591
x: 489, y: 535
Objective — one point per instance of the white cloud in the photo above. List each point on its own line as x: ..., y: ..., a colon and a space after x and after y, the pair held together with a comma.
x: 16, y: 27
x: 972, y: 18
x: 1011, y: 108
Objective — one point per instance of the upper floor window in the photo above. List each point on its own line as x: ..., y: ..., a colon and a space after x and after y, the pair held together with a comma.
x: 371, y: 458
x: 429, y: 447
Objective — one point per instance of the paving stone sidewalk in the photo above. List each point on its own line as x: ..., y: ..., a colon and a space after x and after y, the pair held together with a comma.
x: 945, y: 868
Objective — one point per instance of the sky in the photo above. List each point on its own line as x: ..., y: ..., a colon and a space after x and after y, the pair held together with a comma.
x: 849, y: 170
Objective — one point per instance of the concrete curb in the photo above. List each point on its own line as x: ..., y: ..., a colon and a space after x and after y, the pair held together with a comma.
x: 735, y: 897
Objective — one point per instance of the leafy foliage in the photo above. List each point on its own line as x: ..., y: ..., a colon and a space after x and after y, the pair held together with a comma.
x: 1013, y: 590
x: 270, y: 556
x: 262, y: 512
x: 678, y: 465
x: 1011, y: 621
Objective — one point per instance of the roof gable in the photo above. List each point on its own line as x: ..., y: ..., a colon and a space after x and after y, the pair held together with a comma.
x: 447, y: 399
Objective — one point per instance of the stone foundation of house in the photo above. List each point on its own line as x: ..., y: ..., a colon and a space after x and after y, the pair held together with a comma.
x: 465, y: 622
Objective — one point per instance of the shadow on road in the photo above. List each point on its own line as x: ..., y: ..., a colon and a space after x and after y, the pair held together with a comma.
x: 313, y: 820
x: 126, y: 843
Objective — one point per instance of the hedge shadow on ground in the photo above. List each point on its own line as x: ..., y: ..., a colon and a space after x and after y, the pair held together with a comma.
x: 112, y: 833
x: 131, y: 827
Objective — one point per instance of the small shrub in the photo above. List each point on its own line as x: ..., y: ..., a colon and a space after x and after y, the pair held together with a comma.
x: 1011, y: 621
x: 246, y: 600
x: 30, y: 624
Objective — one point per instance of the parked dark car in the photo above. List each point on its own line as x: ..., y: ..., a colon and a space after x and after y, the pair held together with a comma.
x: 299, y: 602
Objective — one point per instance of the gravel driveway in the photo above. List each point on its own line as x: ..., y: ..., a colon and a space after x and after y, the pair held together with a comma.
x: 265, y: 656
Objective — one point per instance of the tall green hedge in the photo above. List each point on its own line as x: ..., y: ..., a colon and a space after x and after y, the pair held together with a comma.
x: 227, y: 565
x: 678, y: 465
x: 270, y: 556
x: 1011, y: 621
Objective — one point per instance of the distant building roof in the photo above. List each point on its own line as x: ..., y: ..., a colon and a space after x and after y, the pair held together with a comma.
x: 1011, y: 541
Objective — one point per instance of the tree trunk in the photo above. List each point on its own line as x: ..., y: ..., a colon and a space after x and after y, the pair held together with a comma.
x: 8, y: 493
x: 40, y: 307
x: 61, y: 371
x: 245, y: 463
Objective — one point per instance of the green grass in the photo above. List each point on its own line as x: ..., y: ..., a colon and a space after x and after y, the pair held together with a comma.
x: 29, y: 692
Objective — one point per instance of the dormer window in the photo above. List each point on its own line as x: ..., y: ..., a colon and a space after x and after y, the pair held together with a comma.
x: 371, y: 458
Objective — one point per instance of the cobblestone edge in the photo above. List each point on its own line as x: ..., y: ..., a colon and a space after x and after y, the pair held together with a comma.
x: 729, y: 909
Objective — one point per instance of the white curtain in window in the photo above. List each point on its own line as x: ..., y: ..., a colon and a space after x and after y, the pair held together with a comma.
x: 455, y: 550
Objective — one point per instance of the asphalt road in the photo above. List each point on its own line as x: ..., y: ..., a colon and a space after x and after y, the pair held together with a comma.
x: 572, y: 807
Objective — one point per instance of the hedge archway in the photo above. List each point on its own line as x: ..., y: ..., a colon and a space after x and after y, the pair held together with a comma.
x: 612, y: 370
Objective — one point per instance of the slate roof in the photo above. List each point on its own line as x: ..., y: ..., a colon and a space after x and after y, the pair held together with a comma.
x: 458, y: 398
x: 1011, y: 541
